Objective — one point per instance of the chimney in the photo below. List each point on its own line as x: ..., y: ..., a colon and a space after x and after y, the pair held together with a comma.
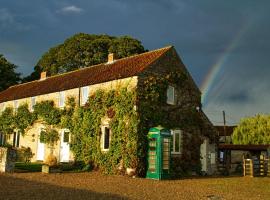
x: 111, y: 57
x: 43, y: 75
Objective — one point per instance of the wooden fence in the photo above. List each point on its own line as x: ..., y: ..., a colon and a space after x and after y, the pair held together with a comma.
x: 256, y: 167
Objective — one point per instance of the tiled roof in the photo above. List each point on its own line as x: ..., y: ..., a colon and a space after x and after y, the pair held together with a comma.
x: 122, y: 68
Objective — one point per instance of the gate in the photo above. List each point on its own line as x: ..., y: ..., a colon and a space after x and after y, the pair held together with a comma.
x: 256, y: 167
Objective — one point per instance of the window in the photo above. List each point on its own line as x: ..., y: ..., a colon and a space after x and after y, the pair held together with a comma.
x: 16, y: 105
x: 61, y: 99
x: 66, y: 137
x: 2, y: 139
x: 85, y: 94
x: 105, y: 138
x: 170, y: 95
x: 16, y: 139
x: 177, y: 139
x: 33, y: 103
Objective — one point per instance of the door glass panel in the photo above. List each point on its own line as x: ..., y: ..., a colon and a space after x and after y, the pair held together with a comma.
x: 66, y: 137
x: 166, y: 153
x: 152, y: 155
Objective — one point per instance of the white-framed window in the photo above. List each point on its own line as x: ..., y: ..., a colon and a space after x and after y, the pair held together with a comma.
x: 16, y: 139
x: 33, y: 103
x: 170, y: 95
x: 85, y: 94
x: 61, y: 99
x: 177, y: 141
x: 16, y: 105
x: 106, y: 135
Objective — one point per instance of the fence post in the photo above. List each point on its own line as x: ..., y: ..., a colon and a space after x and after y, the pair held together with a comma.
x: 251, y: 168
x: 244, y: 165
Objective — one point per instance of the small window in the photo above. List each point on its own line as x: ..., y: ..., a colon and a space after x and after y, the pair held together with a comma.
x: 42, y: 136
x: 170, y: 95
x: 177, y: 138
x: 106, y: 138
x: 16, y: 105
x: 2, y: 139
x: 85, y: 94
x: 66, y: 137
x: 16, y: 139
x: 33, y: 103
x: 61, y: 99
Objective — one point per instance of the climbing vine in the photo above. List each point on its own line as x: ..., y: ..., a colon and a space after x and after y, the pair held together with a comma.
x: 118, y: 107
x: 129, y: 114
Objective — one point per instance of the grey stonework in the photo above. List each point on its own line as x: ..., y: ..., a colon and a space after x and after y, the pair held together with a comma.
x: 7, y: 159
x: 188, y: 99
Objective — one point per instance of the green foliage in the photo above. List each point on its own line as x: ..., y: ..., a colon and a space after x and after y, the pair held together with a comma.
x: 49, y: 136
x: 28, y: 167
x: 23, y: 118
x: 8, y: 76
x: 7, y: 121
x: 119, y: 106
x: 67, y: 113
x: 46, y: 111
x: 83, y: 50
x: 24, y: 154
x: 253, y: 130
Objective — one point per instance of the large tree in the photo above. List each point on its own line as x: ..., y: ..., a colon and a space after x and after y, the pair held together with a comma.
x: 8, y: 76
x: 83, y: 50
x: 253, y: 130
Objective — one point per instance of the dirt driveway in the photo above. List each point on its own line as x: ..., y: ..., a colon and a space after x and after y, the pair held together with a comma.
x: 96, y: 186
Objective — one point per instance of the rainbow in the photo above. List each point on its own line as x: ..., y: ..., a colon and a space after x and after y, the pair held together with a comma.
x: 216, y: 69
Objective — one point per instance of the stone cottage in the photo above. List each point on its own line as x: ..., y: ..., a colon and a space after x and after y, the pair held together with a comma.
x: 163, y: 93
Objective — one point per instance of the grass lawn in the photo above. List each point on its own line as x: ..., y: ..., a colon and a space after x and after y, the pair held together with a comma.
x: 28, y: 167
x: 93, y: 185
x: 37, y: 167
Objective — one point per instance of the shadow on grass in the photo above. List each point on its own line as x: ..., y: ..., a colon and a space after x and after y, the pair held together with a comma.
x: 17, y: 188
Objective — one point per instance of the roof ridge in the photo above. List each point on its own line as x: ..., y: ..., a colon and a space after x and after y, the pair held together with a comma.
x: 84, y: 68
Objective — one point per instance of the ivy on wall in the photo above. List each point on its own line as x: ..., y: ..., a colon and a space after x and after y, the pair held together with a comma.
x: 118, y: 107
x: 130, y: 114
x: 7, y: 124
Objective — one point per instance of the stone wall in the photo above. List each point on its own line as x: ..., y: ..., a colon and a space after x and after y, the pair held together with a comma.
x: 31, y: 136
x: 184, y: 113
x: 7, y: 159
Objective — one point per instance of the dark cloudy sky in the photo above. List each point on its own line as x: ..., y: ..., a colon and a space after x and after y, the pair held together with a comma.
x: 232, y: 35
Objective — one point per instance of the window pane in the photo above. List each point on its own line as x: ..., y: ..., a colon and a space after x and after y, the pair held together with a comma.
x: 177, y: 142
x: 41, y: 136
x: 166, y: 150
x: 18, y: 139
x: 66, y: 137
x: 106, y: 138
x: 170, y: 95
x: 84, y: 95
x: 61, y: 99
x: 14, y: 139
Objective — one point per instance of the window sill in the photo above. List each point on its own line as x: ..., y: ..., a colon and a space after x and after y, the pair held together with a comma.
x: 171, y: 103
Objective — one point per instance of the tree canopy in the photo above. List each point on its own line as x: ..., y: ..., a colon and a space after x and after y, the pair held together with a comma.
x: 253, y: 130
x: 8, y: 76
x: 82, y: 50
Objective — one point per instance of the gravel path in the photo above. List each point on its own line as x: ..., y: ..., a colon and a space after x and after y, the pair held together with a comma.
x: 97, y: 186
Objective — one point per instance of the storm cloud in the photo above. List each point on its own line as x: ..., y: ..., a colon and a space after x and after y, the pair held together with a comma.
x: 201, y: 31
